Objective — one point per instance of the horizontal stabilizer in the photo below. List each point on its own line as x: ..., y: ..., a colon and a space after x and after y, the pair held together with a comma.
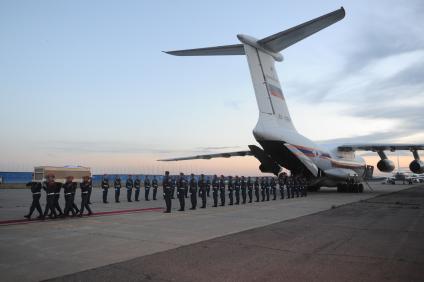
x: 210, y: 156
x: 236, y: 49
x: 284, y: 39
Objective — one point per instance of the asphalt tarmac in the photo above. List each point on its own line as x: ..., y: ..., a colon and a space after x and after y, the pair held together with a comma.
x: 379, y: 239
x: 119, y: 232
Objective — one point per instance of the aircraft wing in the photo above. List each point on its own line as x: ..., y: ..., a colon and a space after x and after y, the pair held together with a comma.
x: 210, y: 156
x: 236, y: 49
x: 380, y: 147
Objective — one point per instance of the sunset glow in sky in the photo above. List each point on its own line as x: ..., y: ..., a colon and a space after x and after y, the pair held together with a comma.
x: 86, y: 83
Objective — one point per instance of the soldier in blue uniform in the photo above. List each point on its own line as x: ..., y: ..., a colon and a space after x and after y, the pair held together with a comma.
x: 273, y: 185
x: 181, y: 191
x: 85, y: 187
x: 50, y: 188
x: 155, y: 187
x: 222, y: 190
x: 237, y: 186
x: 250, y: 189
x: 147, y: 188
x: 202, y: 190
x: 208, y: 186
x: 193, y: 192
x: 105, y: 187
x: 267, y: 188
x: 129, y: 184
x: 230, y: 190
x: 243, y: 186
x: 167, y: 191
x: 117, y: 185
x: 69, y: 189
x: 36, y: 195
x: 215, y: 188
x: 137, y: 186
x: 281, y: 183
x: 256, y: 185
x: 263, y: 188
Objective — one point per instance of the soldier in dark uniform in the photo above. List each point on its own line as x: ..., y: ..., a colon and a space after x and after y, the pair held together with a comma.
x: 69, y: 189
x: 147, y: 188
x: 137, y: 186
x: 304, y: 187
x: 237, y: 186
x: 117, y: 185
x: 90, y: 189
x: 105, y: 187
x: 50, y: 188
x: 256, y: 186
x: 267, y: 188
x: 243, y: 185
x: 263, y: 188
x: 173, y: 186
x: 155, y: 187
x: 193, y: 192
x: 208, y: 186
x: 222, y: 190
x: 85, y: 187
x: 281, y: 184
x: 181, y: 191
x: 167, y: 191
x: 129, y: 185
x: 250, y: 189
x: 185, y: 187
x: 36, y: 195
x: 56, y: 198
x: 202, y: 190
x: 230, y: 190
x: 273, y: 185
x: 296, y: 186
x: 215, y: 188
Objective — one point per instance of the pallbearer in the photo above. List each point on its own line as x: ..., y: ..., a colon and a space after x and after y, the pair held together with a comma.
x: 243, y: 185
x: 137, y: 186
x: 202, y: 190
x: 50, y: 188
x: 69, y: 189
x: 117, y: 184
x: 230, y: 189
x: 273, y: 186
x: 129, y: 185
x: 222, y: 190
x: 155, y: 187
x: 36, y: 195
x: 85, y: 187
x: 193, y: 192
x: 105, y: 187
x: 215, y: 188
x: 167, y: 191
x: 250, y: 189
x: 181, y: 191
x: 147, y: 188
x: 90, y: 189
x: 237, y: 186
x: 256, y: 185
x: 57, y: 197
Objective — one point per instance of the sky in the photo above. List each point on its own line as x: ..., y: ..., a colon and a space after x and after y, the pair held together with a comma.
x: 86, y: 83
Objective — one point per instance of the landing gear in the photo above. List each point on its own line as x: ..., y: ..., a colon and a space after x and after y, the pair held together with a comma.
x: 350, y: 188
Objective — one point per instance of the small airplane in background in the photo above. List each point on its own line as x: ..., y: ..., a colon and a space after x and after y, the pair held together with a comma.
x: 282, y: 146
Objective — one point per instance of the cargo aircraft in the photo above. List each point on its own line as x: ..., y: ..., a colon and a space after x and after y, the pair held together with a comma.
x: 282, y: 146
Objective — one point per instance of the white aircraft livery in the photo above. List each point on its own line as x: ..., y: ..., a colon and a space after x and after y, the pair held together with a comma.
x: 282, y: 145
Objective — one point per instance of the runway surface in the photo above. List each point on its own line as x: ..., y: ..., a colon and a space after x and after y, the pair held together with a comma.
x: 372, y: 240
x: 53, y: 248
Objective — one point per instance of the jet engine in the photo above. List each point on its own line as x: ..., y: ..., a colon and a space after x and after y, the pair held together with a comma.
x: 417, y: 166
x: 386, y: 165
